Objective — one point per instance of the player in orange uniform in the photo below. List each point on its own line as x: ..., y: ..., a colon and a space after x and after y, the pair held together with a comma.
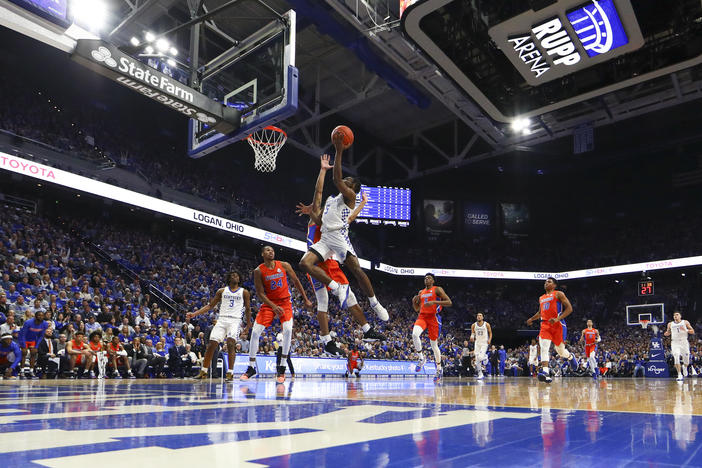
x: 78, y: 352
x: 429, y: 302
x: 331, y: 268
x: 271, y: 281
x: 591, y: 336
x: 354, y: 363
x: 554, y: 307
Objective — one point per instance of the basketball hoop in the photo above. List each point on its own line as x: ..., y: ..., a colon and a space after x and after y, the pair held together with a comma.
x: 266, y: 143
x: 644, y: 324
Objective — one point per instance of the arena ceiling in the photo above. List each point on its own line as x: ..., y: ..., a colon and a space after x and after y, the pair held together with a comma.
x: 413, y: 119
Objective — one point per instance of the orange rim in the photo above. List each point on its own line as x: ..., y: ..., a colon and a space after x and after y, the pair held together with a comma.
x: 271, y: 128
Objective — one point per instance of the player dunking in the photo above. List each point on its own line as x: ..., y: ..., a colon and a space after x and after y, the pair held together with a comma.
x: 678, y: 330
x: 233, y: 300
x: 331, y: 268
x: 429, y: 302
x: 591, y: 336
x: 481, y: 335
x: 334, y: 241
x: 533, y: 357
x: 271, y: 280
x: 554, y: 307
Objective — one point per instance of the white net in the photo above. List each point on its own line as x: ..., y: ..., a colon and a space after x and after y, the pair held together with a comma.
x: 266, y: 143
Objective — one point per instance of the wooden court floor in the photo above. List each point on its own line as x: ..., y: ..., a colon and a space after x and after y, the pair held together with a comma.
x: 364, y: 423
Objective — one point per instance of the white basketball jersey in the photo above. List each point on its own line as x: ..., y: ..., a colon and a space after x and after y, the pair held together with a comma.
x: 336, y: 214
x: 678, y: 331
x: 532, y: 352
x: 232, y: 304
x: 481, y: 333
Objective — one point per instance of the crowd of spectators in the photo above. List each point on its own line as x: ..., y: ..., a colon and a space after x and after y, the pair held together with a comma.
x: 47, y: 267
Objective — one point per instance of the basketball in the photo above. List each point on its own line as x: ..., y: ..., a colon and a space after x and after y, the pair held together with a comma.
x: 348, y: 134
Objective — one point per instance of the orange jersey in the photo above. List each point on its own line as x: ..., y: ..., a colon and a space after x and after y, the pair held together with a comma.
x: 78, y: 345
x: 114, y: 349
x: 275, y: 281
x: 353, y: 357
x: 426, y: 295
x: 550, y: 306
x: 590, y: 335
x: 95, y: 346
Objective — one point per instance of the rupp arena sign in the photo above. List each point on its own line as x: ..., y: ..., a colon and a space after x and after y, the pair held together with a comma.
x: 567, y: 36
x: 106, y: 59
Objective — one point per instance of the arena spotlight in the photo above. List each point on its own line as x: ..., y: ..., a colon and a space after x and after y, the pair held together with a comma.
x: 171, y: 62
x: 520, y: 125
x: 149, y: 50
x: 162, y: 45
x: 149, y: 36
x: 91, y: 14
x: 173, y: 51
x: 134, y: 41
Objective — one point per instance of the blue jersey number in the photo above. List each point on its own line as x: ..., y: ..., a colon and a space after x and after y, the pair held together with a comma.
x: 276, y: 284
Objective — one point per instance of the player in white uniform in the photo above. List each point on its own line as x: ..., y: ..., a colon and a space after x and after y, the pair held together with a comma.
x: 233, y: 301
x: 481, y: 334
x: 678, y: 330
x: 533, y: 357
x: 334, y: 241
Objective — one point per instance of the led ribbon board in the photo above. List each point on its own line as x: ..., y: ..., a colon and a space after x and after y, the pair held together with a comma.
x: 84, y: 184
x: 559, y: 40
x: 102, y: 189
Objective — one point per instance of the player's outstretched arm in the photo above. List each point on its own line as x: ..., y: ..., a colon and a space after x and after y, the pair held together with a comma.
x: 319, y: 186
x: 296, y: 282
x: 346, y: 191
x: 667, y: 330
x: 247, y: 307
x: 207, y: 307
x: 315, y: 215
x: 356, y: 211
x: 472, y: 332
x: 489, y: 329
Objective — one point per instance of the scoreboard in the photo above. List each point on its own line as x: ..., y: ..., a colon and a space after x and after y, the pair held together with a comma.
x: 646, y: 288
x: 386, y: 205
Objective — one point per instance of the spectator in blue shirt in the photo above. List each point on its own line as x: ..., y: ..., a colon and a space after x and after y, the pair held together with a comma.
x: 502, y: 355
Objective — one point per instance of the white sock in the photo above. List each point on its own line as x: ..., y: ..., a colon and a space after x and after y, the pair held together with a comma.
x: 284, y: 362
x: 437, y: 352
x: 325, y: 338
x: 373, y: 301
x: 365, y: 327
x: 333, y: 285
